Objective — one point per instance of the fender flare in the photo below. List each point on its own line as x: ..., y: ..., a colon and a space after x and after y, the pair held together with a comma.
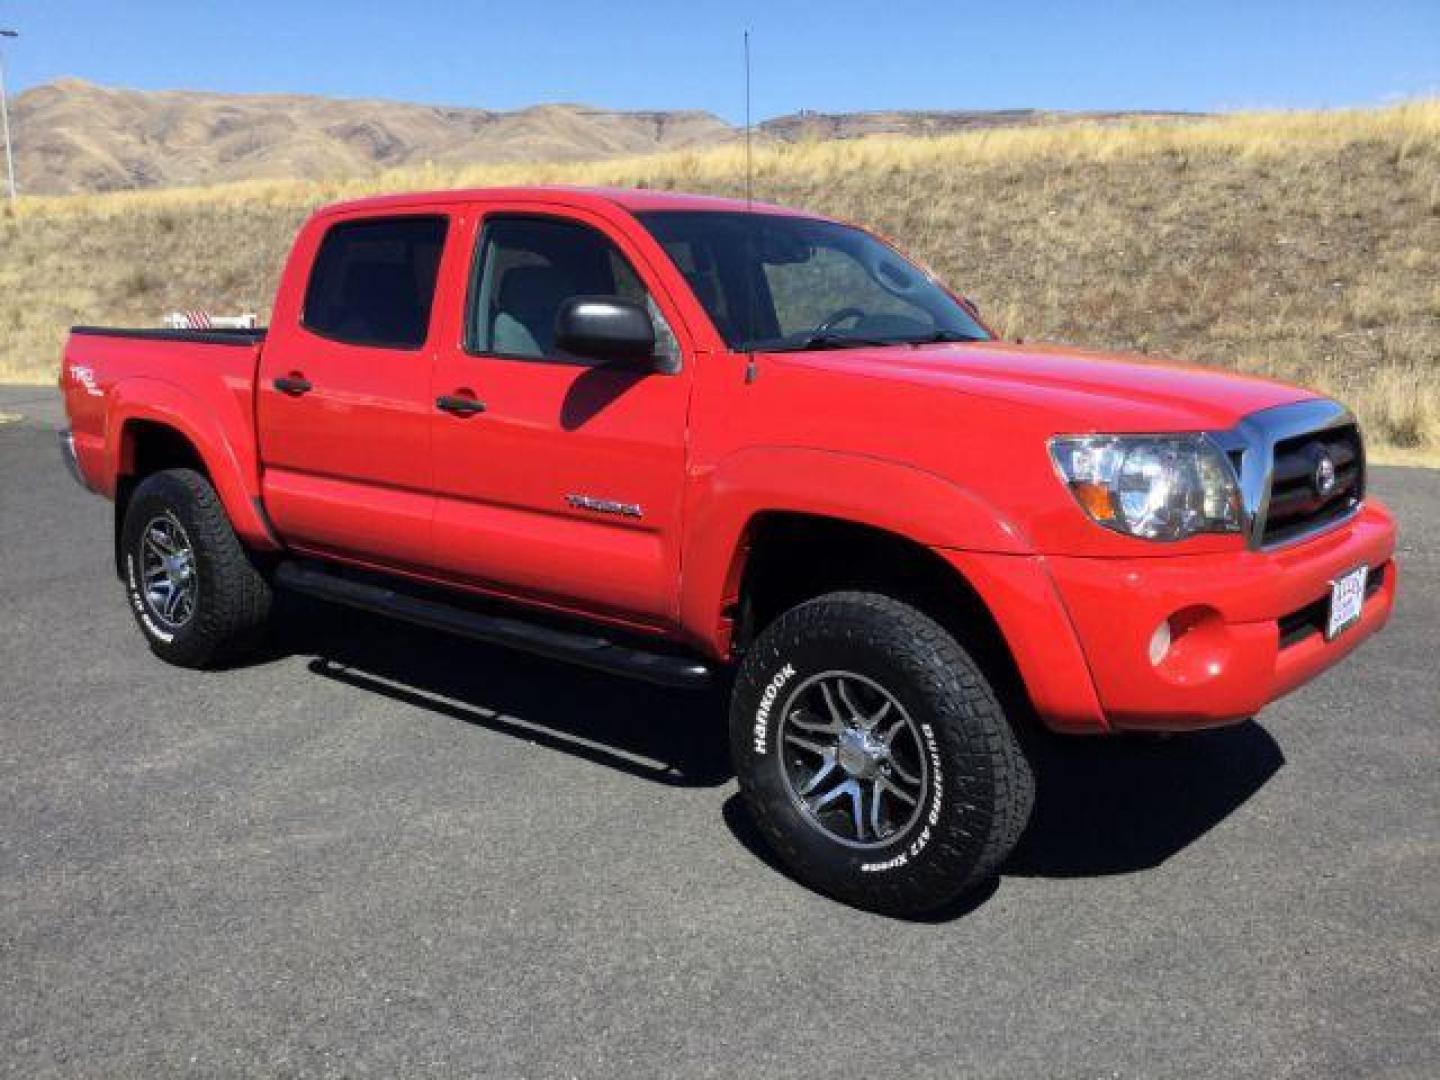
x: 724, y: 502
x: 221, y: 433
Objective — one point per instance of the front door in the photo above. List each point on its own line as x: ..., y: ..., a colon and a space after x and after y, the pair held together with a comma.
x: 566, y: 488
x: 343, y: 405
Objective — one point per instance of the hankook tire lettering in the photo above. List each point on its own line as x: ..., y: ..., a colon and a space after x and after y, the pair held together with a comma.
x: 767, y: 702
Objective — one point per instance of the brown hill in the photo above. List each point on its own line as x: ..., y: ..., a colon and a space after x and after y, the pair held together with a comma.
x: 72, y: 136
x: 912, y: 123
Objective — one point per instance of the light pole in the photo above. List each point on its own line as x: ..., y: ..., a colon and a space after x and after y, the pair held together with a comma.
x: 5, y: 119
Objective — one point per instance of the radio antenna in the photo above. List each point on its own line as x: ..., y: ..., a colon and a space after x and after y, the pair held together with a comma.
x: 750, y: 295
x: 749, y: 184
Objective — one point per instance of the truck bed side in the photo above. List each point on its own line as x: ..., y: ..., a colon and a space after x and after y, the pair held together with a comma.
x: 127, y: 390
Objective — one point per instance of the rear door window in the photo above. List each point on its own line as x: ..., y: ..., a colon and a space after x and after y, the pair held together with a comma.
x: 373, y: 281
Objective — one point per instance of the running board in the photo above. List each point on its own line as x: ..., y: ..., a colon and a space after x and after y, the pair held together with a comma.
x: 589, y: 650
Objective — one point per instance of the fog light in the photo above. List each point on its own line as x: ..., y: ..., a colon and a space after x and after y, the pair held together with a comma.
x: 1160, y: 643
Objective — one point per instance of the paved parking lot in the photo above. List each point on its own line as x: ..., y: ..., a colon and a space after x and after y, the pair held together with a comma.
x: 383, y: 852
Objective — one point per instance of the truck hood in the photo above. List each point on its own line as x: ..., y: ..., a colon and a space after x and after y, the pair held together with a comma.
x: 1083, y: 391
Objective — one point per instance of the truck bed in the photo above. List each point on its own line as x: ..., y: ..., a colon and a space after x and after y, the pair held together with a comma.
x: 199, y: 382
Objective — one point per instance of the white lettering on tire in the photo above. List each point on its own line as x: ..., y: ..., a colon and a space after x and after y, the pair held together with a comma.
x: 138, y: 601
x: 932, y: 819
x: 767, y: 702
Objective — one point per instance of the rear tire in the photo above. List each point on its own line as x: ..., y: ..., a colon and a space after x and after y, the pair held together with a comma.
x: 193, y: 590
x: 860, y: 692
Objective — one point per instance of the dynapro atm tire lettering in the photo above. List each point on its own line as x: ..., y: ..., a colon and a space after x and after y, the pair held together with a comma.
x: 932, y: 817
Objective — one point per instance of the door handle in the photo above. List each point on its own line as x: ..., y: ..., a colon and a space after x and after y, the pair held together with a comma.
x: 460, y: 406
x: 294, y: 384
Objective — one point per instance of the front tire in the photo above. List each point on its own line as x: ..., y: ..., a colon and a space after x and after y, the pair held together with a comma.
x: 874, y: 755
x: 192, y: 588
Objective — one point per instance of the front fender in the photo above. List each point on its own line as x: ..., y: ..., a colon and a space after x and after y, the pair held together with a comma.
x: 724, y: 500
x: 220, y: 430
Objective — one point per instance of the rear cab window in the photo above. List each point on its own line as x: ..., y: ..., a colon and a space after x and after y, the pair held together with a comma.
x: 373, y: 281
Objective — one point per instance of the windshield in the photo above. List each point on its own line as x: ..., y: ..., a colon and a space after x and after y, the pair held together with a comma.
x: 774, y: 283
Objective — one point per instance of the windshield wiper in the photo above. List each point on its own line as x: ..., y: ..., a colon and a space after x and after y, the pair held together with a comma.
x: 939, y: 336
x: 832, y: 341
x: 829, y: 340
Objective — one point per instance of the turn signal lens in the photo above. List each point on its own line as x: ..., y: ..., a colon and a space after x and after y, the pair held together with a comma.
x: 1095, y: 499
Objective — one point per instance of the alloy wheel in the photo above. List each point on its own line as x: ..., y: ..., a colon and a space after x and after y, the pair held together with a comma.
x: 169, y: 581
x: 853, y: 759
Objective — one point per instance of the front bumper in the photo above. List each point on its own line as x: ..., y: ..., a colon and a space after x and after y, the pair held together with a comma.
x: 1243, y: 627
x: 1247, y: 626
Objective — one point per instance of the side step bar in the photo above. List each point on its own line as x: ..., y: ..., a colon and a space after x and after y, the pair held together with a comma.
x: 586, y: 649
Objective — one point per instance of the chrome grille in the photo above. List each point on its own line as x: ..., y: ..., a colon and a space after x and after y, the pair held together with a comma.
x: 1277, y: 453
x: 1298, y: 501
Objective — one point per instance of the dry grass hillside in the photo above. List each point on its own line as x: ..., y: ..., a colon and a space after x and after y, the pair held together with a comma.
x: 72, y: 136
x: 1305, y: 245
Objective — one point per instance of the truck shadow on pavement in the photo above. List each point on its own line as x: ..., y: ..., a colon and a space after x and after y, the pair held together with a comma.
x: 1103, y: 806
x: 1119, y: 805
x: 668, y: 737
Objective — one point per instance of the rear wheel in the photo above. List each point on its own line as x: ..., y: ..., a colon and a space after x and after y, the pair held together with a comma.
x: 193, y: 590
x: 874, y: 755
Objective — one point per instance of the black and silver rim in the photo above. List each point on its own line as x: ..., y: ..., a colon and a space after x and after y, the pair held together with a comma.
x: 853, y: 759
x: 168, y: 580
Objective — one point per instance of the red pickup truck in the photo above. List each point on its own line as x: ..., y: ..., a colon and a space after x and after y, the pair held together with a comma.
x: 685, y: 439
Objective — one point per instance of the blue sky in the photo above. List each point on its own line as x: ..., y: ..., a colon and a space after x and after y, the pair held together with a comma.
x: 835, y: 56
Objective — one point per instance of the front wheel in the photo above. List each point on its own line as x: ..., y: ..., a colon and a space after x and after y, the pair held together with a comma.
x: 874, y: 756
x: 192, y: 588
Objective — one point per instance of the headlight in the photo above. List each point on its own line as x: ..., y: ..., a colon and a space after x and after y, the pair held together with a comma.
x: 1157, y: 487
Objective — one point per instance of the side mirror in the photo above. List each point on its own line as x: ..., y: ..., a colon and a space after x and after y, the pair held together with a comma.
x: 606, y: 328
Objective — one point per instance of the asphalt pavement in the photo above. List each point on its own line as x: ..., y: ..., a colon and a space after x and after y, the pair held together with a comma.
x: 379, y: 851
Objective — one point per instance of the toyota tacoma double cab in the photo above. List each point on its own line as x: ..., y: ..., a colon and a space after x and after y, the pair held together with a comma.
x: 695, y: 440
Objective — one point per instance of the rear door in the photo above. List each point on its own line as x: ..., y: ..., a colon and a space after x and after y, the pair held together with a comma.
x: 566, y: 489
x: 343, y: 399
